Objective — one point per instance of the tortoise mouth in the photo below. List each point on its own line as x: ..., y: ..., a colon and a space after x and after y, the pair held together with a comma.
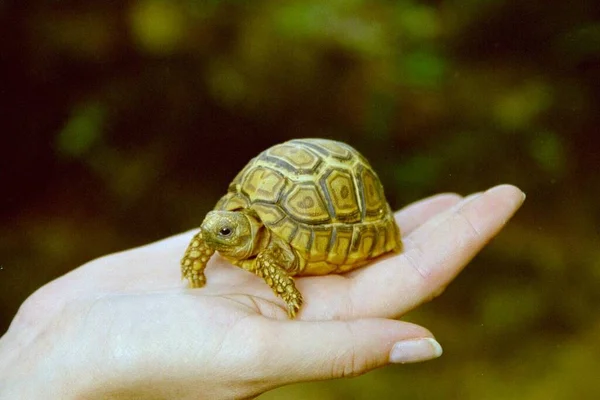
x: 239, y: 252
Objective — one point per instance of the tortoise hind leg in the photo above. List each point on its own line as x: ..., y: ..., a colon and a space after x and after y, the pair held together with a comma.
x: 270, y: 269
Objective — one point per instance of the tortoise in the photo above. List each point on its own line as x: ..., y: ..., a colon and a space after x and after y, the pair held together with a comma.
x: 302, y: 207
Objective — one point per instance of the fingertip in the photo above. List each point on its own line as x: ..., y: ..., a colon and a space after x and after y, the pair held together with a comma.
x: 505, y: 197
x: 345, y: 348
x: 415, y: 350
x: 507, y: 191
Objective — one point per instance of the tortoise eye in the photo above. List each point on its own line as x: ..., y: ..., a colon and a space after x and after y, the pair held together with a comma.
x: 225, y: 231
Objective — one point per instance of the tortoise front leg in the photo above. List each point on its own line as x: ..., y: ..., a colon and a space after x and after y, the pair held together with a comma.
x: 194, y: 261
x: 269, y: 267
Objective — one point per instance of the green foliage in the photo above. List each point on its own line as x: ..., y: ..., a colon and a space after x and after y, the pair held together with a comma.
x: 82, y: 130
x: 549, y: 152
x: 423, y: 69
x: 158, y: 26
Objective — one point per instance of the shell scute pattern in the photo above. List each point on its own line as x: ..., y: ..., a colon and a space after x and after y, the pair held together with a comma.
x: 321, y: 242
x: 263, y: 184
x: 373, y: 200
x: 320, y: 196
x: 340, y: 189
x: 303, y: 240
x: 330, y: 148
x: 292, y: 158
x: 286, y: 228
x: 270, y: 214
x: 340, y: 243
x: 305, y: 203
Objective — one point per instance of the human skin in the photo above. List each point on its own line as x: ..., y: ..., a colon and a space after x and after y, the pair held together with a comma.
x: 125, y: 326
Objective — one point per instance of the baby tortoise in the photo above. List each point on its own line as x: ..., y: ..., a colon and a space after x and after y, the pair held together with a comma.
x: 303, y: 207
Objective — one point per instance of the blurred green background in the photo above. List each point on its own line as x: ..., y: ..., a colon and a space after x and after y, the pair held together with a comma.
x: 123, y: 122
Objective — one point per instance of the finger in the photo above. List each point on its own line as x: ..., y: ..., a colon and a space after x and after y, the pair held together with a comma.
x: 306, y: 351
x: 395, y: 285
x: 424, y: 230
x: 154, y: 266
x: 415, y: 214
x: 398, y: 284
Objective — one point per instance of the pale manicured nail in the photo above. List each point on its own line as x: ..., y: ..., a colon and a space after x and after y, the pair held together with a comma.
x: 415, y: 350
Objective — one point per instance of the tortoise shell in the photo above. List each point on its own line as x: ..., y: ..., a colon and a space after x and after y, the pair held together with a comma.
x: 323, y: 198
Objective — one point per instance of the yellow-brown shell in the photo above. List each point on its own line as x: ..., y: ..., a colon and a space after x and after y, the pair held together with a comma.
x: 323, y: 198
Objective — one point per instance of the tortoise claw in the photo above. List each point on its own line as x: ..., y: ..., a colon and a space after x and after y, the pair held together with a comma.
x: 197, y: 281
x: 279, y: 280
x: 294, y: 302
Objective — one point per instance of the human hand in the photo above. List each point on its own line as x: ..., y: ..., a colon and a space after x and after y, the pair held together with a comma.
x: 125, y: 326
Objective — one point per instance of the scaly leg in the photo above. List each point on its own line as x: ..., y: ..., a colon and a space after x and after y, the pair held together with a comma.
x: 269, y: 268
x: 194, y: 261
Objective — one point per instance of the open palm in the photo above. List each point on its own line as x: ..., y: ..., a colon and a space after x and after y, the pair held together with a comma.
x: 233, y: 335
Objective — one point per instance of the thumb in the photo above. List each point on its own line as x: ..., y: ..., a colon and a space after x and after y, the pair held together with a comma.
x: 333, y: 349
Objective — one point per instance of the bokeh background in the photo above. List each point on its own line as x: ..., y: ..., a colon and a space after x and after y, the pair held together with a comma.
x: 122, y: 122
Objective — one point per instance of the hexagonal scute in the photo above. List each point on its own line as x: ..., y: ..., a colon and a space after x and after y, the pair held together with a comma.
x: 372, y: 195
x: 304, y: 203
x: 262, y: 184
x: 339, y: 185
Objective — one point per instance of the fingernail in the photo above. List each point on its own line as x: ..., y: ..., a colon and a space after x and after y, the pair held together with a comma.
x: 415, y: 350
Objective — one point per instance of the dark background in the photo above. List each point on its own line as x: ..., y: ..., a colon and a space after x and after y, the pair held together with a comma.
x: 122, y: 122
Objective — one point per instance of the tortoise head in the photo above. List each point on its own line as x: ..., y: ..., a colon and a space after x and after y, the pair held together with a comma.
x: 231, y: 233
